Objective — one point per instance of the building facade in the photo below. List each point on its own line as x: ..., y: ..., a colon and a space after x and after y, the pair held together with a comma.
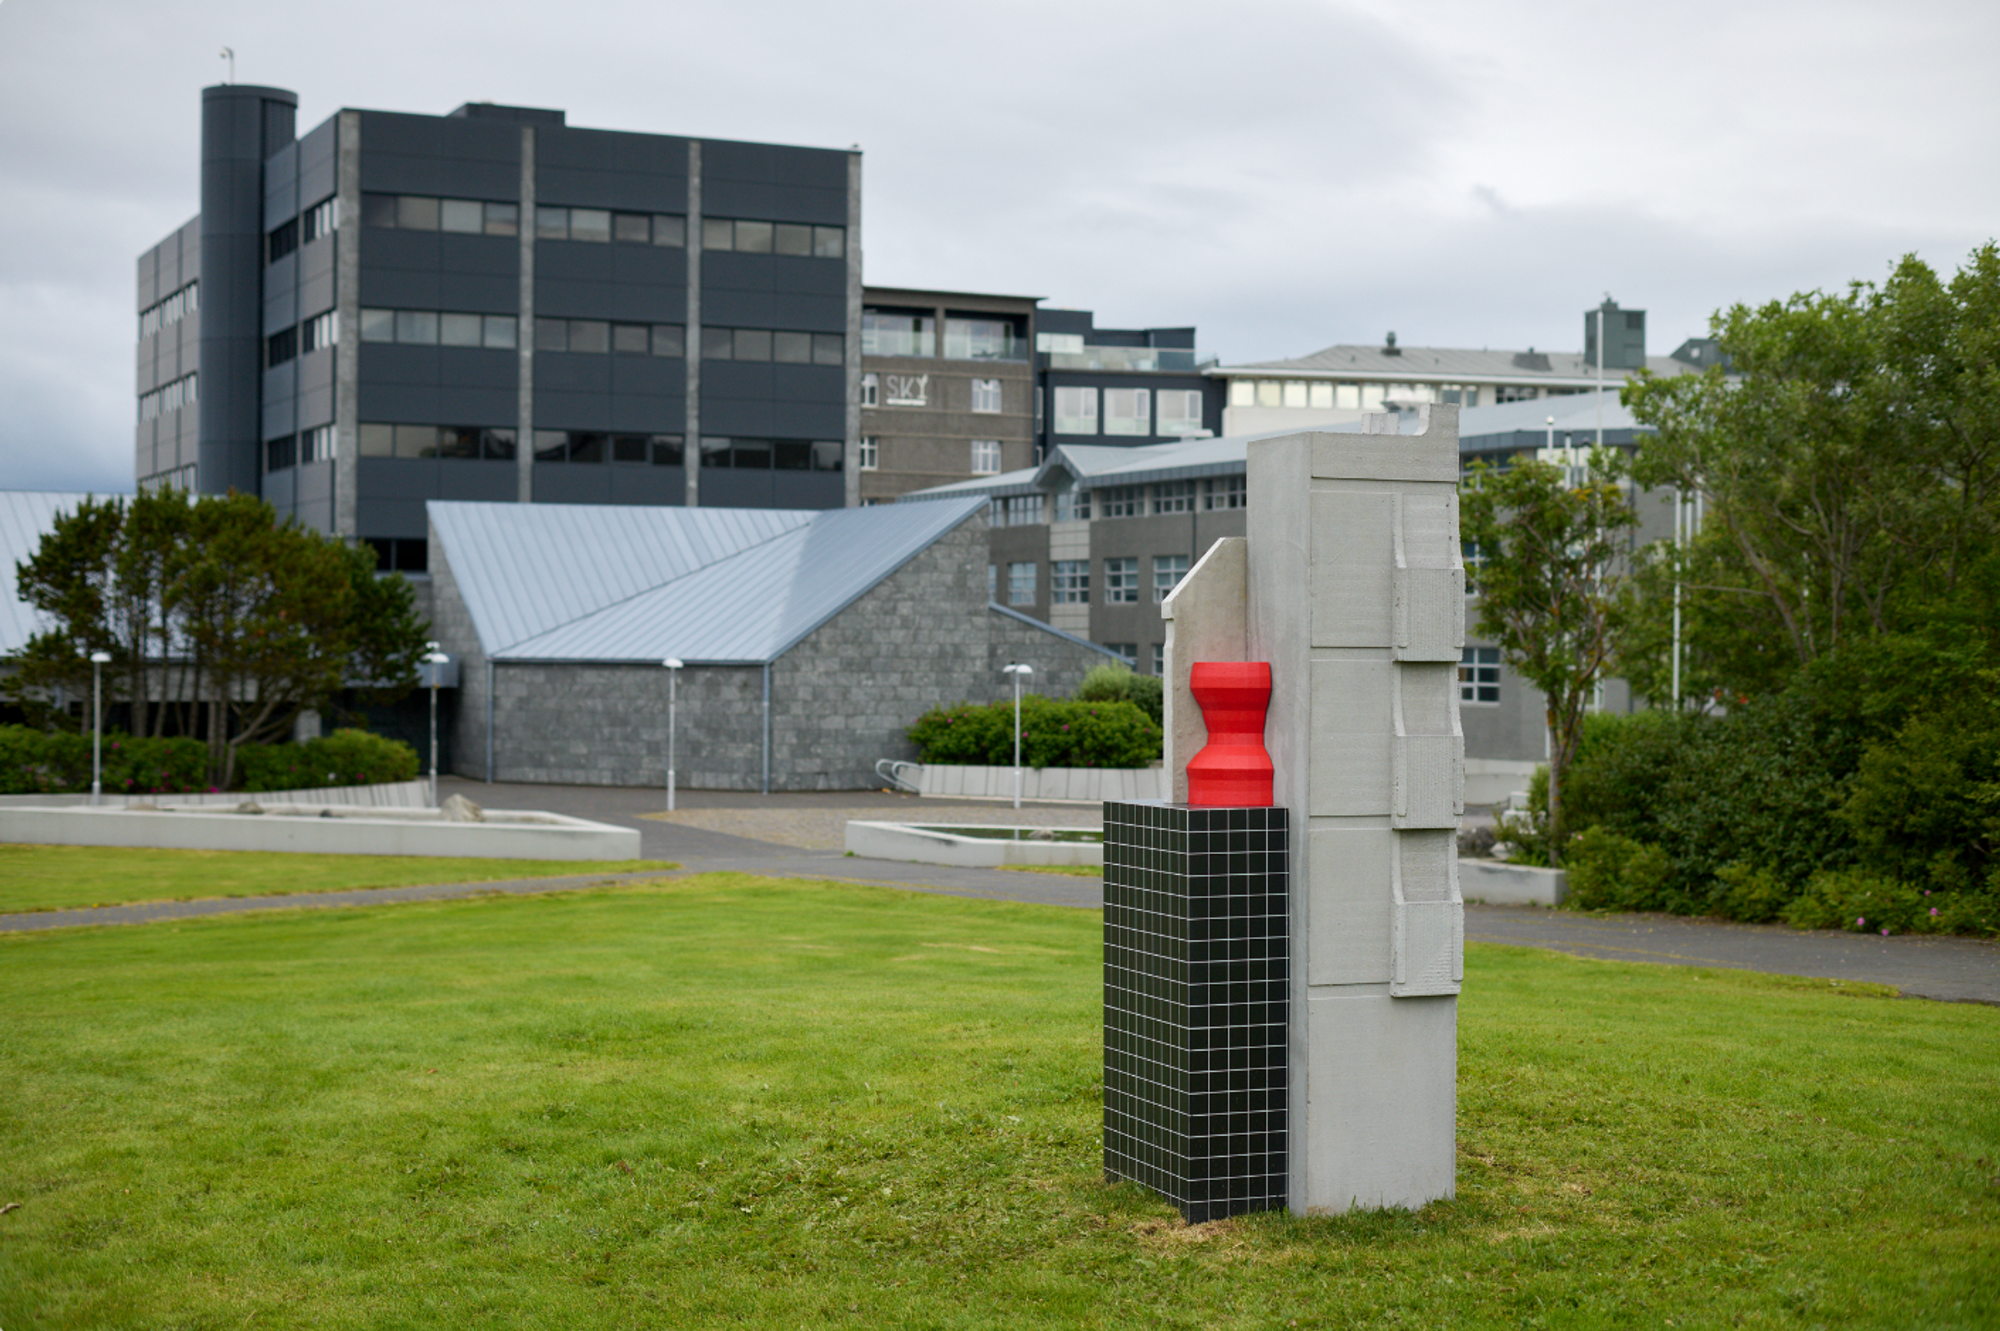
x: 1120, y: 387
x: 495, y: 305
x: 947, y: 390
x: 1339, y: 385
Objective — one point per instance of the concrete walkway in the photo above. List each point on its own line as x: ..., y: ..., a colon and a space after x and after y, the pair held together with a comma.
x: 1950, y: 969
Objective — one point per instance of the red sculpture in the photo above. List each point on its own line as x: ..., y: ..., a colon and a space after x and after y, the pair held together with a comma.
x: 1232, y: 770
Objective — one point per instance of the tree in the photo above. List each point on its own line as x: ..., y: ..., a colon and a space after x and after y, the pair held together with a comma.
x: 1848, y: 467
x: 232, y: 621
x: 1552, y: 544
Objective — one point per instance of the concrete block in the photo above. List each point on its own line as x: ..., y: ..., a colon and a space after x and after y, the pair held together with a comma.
x: 1379, y: 1103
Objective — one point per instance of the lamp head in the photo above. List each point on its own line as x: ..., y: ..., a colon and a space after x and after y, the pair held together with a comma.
x: 100, y: 658
x: 672, y: 663
x: 1017, y: 669
x: 436, y: 657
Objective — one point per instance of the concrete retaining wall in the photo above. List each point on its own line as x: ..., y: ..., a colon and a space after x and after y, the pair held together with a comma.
x: 922, y: 845
x: 1086, y: 785
x: 389, y: 795
x: 556, y: 838
x: 1498, y: 883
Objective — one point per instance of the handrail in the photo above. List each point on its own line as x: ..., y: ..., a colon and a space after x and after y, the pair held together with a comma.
x: 893, y: 771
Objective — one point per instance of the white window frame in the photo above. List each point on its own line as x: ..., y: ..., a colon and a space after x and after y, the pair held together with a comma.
x: 1128, y: 411
x: 1083, y: 403
x: 1187, y: 420
x: 1479, y: 671
x: 1069, y: 582
x: 1121, y: 580
x: 1021, y: 584
x: 871, y: 390
x: 1168, y: 570
x: 986, y: 396
x: 867, y: 453
x: 986, y: 457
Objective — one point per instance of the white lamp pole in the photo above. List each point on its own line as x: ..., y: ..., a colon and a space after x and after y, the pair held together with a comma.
x: 98, y: 660
x: 1018, y: 671
x: 435, y: 659
x: 673, y: 665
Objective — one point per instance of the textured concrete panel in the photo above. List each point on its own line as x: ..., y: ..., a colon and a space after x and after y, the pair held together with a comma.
x: 1345, y: 909
x: 1381, y: 1103
x: 1352, y: 705
x: 1207, y: 620
x: 1353, y: 551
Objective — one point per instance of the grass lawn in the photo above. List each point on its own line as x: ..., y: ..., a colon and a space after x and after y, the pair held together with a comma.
x: 65, y: 877
x: 733, y: 1101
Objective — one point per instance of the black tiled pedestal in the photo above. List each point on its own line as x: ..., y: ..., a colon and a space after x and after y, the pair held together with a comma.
x: 1195, y: 974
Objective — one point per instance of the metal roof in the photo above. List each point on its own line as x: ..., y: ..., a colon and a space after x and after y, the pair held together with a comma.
x: 1458, y: 364
x: 709, y: 586
x: 25, y: 517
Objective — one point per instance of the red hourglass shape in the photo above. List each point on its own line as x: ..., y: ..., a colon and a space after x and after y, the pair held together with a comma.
x: 1232, y: 770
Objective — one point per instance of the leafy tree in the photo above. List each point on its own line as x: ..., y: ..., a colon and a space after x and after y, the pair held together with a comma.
x: 233, y: 621
x: 1552, y: 544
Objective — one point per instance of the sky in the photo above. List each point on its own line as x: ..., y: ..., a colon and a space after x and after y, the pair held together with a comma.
x: 1283, y: 174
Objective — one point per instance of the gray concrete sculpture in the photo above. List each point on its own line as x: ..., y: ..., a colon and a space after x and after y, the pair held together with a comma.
x: 1352, y: 588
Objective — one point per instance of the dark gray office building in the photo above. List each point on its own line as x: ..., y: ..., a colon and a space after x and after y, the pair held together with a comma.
x: 495, y: 305
x: 1119, y: 386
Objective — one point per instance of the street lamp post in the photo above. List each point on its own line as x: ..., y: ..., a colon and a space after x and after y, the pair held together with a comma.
x: 435, y: 659
x: 1018, y: 670
x: 98, y: 660
x: 673, y: 665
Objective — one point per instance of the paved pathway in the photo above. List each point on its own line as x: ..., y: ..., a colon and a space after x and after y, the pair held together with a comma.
x: 1951, y: 969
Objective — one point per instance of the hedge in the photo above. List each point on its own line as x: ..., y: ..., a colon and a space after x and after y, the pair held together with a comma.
x: 1053, y: 734
x: 38, y: 762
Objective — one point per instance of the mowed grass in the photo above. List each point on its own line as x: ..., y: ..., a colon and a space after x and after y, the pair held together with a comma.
x: 727, y: 1101
x: 66, y: 877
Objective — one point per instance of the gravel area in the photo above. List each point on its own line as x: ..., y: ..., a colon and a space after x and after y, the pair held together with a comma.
x: 826, y: 829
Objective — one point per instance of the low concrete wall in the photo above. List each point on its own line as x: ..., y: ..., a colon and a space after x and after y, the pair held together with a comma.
x: 924, y: 845
x: 550, y: 837
x: 390, y: 795
x: 1498, y: 883
x: 1083, y: 785
x: 1490, y: 781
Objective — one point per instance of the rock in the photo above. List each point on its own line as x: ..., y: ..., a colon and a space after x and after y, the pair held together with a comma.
x: 1042, y: 834
x: 249, y: 806
x: 459, y: 809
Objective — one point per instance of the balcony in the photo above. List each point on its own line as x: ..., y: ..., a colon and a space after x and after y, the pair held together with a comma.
x: 1153, y: 359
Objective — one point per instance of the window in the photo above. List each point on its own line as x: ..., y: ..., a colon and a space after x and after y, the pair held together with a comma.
x: 871, y: 390
x: 1270, y: 393
x: 452, y: 442
x: 280, y: 453
x: 319, y: 220
x: 464, y: 216
x: 169, y: 311
x: 1322, y: 396
x: 1464, y: 397
x: 280, y: 347
x: 282, y: 241
x: 1473, y: 560
x: 669, y: 340
x: 1128, y: 652
x: 1121, y: 581
x: 632, y: 228
x: 1174, y: 497
x: 1020, y: 510
x: 992, y: 582
x: 792, y: 348
x: 791, y: 238
x: 829, y: 349
x: 1242, y: 393
x: 1072, y: 506
x: 503, y: 219
x: 1076, y: 411
x: 590, y: 224
x: 985, y: 457
x: 752, y: 344
x: 316, y: 444
x: 417, y: 327
x: 1179, y: 411
x: 1160, y: 658
x: 753, y: 237
x: 670, y: 230
x: 1168, y: 570
x: 414, y: 212
x: 1295, y: 393
x: 982, y: 339
x: 897, y: 333
x: 767, y: 454
x: 167, y: 397
x: 829, y: 242
x: 1225, y: 492
x: 1371, y: 397
x: 1061, y: 344
x: 866, y: 457
x: 1069, y: 582
x: 1347, y: 396
x: 1127, y: 411
x: 1479, y: 675
x: 1021, y: 584
x: 986, y: 395
x: 1122, y: 501
x: 631, y: 339
x: 498, y: 332
x: 322, y: 330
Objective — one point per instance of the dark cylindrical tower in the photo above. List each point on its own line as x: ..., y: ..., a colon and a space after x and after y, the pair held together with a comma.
x: 240, y: 127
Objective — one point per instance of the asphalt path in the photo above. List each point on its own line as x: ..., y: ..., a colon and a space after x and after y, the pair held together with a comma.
x: 1947, y: 969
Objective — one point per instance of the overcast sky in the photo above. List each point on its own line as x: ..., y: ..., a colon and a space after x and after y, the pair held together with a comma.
x: 1284, y: 174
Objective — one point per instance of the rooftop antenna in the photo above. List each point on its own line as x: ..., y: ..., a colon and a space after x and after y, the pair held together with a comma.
x: 229, y: 54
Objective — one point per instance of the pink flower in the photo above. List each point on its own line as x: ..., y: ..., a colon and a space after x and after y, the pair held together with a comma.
x: 1885, y: 931
x: 1860, y: 921
x: 1933, y: 909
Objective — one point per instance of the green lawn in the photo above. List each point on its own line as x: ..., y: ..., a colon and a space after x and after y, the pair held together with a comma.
x: 733, y: 1101
x: 64, y: 877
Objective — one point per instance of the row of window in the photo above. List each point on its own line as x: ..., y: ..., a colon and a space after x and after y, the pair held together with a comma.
x: 772, y: 454
x: 985, y: 455
x: 1319, y: 396
x: 914, y: 390
x: 1069, y: 580
x: 171, y: 310
x: 966, y: 337
x: 431, y: 328
x: 590, y: 446
x: 417, y: 212
x: 1123, y: 501
x: 167, y: 397
x: 314, y: 445
x: 322, y: 330
x: 1128, y: 411
x: 758, y: 344
x: 322, y: 219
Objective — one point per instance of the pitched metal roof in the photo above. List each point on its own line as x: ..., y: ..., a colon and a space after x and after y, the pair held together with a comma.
x: 709, y: 586
x: 25, y: 517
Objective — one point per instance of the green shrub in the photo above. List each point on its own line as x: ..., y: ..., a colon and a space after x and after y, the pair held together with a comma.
x: 35, y: 762
x: 1924, y: 806
x: 1612, y: 872
x: 1751, y: 893
x: 1053, y: 734
x: 1526, y: 831
x: 1113, y: 682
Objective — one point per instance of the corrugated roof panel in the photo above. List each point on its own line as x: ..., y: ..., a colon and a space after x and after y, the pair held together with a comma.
x: 525, y: 569
x: 25, y: 517
x: 752, y: 606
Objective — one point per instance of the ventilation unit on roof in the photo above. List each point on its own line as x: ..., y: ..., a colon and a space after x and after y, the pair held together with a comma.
x: 1531, y: 359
